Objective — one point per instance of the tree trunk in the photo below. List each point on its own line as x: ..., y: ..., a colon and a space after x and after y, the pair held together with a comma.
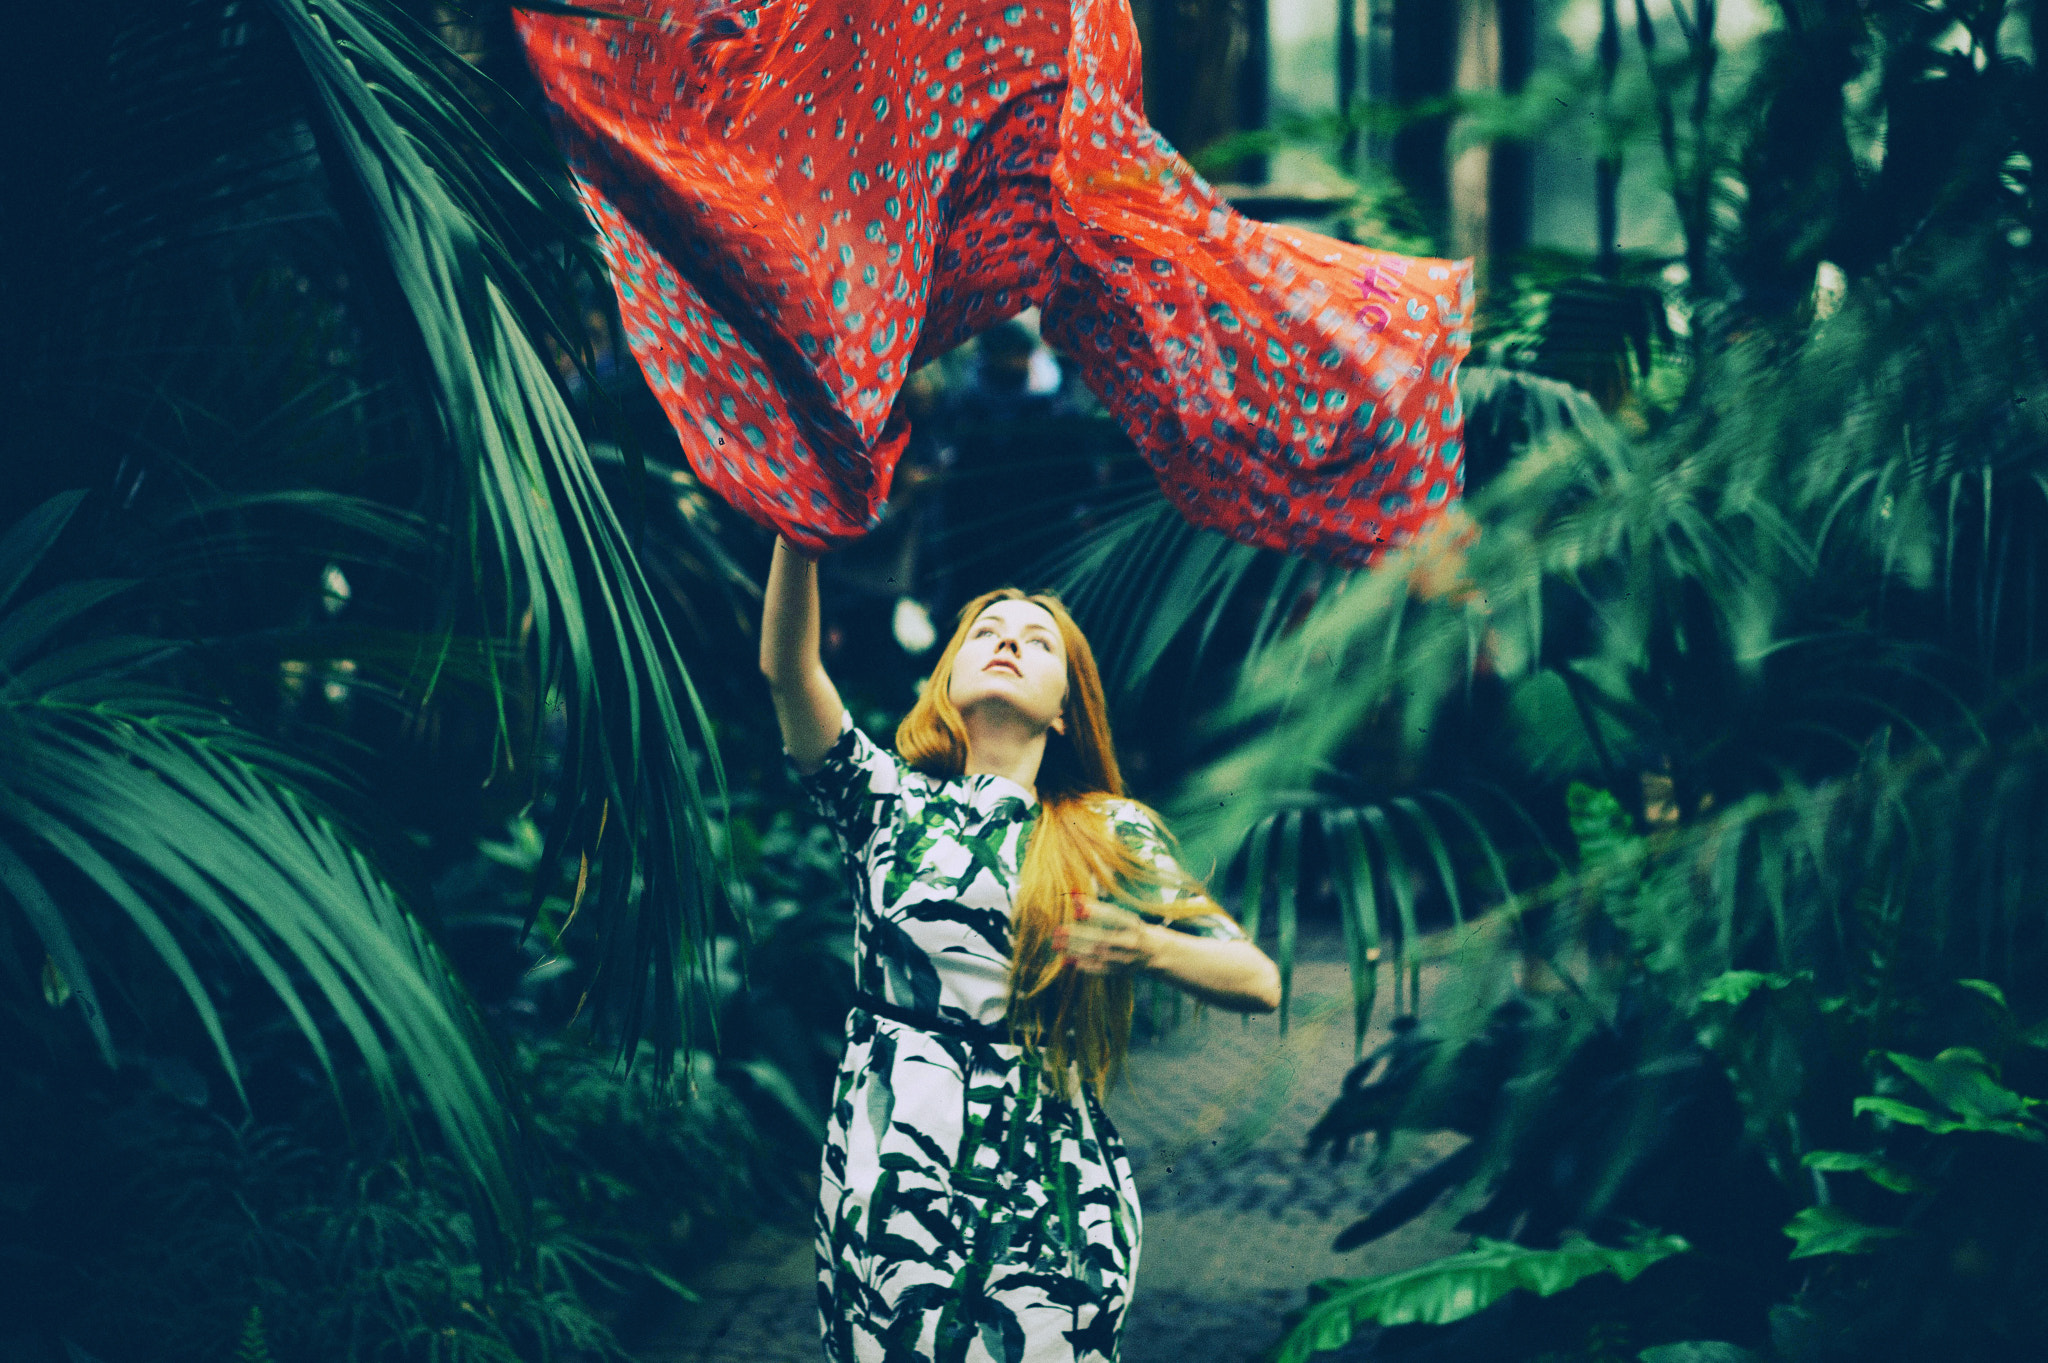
x: 1471, y: 171
x: 1353, y: 23
x: 1514, y: 169
x: 1195, y: 52
x: 1607, y: 169
x: 1254, y: 75
x: 1425, y: 48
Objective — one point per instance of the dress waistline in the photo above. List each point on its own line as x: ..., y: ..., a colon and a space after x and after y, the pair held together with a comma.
x: 981, y: 1032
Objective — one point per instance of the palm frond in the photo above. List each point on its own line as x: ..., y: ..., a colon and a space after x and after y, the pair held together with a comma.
x: 196, y: 834
x: 1381, y: 860
x: 442, y: 205
x: 1148, y: 578
x: 461, y: 240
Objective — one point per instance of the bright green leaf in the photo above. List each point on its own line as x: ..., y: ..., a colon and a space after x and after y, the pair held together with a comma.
x: 1892, y: 1110
x: 1830, y: 1230
x: 1734, y: 986
x: 1882, y: 1172
x: 1461, y: 1285
x: 1964, y: 1082
x: 1987, y: 989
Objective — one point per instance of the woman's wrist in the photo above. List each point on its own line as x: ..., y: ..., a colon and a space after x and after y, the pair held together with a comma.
x: 1154, y: 944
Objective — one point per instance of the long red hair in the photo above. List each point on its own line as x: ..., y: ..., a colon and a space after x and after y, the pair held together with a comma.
x: 1057, y: 1013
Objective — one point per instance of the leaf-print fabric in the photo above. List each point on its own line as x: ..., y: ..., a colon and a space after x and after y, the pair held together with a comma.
x: 801, y: 201
x: 967, y: 1214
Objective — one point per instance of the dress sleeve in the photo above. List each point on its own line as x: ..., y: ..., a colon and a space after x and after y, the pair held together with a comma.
x: 856, y: 788
x: 1140, y: 832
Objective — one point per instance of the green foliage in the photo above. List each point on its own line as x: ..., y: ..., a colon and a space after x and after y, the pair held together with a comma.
x: 1462, y: 1285
x: 1830, y: 1230
x: 446, y: 202
x: 157, y: 1230
x: 1749, y: 645
x: 1920, y: 1240
x: 253, y: 1347
x: 309, y: 586
x: 200, y: 833
x: 1964, y: 1083
x: 323, y: 278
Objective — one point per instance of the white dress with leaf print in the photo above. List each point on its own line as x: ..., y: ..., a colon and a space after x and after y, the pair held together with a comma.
x: 967, y: 1214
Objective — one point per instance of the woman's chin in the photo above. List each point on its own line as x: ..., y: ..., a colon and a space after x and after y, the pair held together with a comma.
x: 999, y: 703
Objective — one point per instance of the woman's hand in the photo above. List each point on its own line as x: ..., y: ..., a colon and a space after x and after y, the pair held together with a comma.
x: 1106, y: 939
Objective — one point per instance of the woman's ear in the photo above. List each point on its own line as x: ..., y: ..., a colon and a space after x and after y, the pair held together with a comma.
x: 1059, y: 723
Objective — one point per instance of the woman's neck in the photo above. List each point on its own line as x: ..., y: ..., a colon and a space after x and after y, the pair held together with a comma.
x: 1004, y: 744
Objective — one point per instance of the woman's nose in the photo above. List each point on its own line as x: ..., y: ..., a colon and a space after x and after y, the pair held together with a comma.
x: 1010, y: 644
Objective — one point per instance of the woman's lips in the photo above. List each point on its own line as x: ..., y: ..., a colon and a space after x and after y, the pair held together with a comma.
x: 1005, y: 664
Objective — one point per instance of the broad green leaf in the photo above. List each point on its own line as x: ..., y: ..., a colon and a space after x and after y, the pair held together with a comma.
x: 1830, y: 1230
x: 199, y: 834
x: 1987, y: 989
x: 29, y: 624
x: 1461, y: 1285
x: 1963, y: 1081
x: 1891, y: 1109
x: 1878, y: 1170
x: 1733, y: 987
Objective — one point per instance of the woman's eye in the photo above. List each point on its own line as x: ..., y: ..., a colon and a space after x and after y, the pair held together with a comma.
x: 1044, y: 644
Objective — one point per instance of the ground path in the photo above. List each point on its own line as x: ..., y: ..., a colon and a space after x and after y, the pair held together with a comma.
x: 1237, y: 1221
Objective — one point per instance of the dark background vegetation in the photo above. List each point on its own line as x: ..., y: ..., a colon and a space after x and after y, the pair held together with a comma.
x: 411, y: 945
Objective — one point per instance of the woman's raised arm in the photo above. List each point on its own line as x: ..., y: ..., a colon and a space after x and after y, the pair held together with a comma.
x: 807, y: 705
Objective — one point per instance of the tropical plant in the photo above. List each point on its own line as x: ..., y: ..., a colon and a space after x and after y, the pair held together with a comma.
x: 1460, y: 1285
x: 1777, y: 606
x: 279, y: 298
x: 140, y: 1224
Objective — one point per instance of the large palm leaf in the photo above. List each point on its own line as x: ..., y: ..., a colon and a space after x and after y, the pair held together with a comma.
x: 204, y: 151
x: 446, y: 204
x: 276, y: 294
x: 131, y: 812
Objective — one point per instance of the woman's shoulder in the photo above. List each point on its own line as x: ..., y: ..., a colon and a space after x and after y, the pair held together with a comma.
x: 1128, y: 818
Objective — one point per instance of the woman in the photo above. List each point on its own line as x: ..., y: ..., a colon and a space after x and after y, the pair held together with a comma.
x: 976, y: 1203
x: 801, y: 203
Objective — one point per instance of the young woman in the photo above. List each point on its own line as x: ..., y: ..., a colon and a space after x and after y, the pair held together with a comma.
x: 976, y: 1203
x: 801, y: 203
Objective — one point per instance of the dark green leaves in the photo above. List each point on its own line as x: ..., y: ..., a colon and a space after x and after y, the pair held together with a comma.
x: 1461, y: 1285
x: 1831, y: 1230
x: 449, y: 211
x: 173, y: 827
x: 1885, y: 1174
x: 1964, y: 1083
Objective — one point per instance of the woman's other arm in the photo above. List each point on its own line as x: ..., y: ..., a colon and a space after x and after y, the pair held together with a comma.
x: 1222, y: 973
x: 807, y: 705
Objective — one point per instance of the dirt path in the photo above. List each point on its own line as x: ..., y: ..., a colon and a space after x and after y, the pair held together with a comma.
x: 1237, y: 1222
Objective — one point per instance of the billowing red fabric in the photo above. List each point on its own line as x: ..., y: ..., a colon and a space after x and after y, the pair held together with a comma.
x: 803, y: 201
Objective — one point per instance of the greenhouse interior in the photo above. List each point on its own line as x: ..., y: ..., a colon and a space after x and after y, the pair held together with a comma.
x: 1075, y: 681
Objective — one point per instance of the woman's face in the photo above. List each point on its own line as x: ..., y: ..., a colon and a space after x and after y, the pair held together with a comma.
x: 1013, y: 656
